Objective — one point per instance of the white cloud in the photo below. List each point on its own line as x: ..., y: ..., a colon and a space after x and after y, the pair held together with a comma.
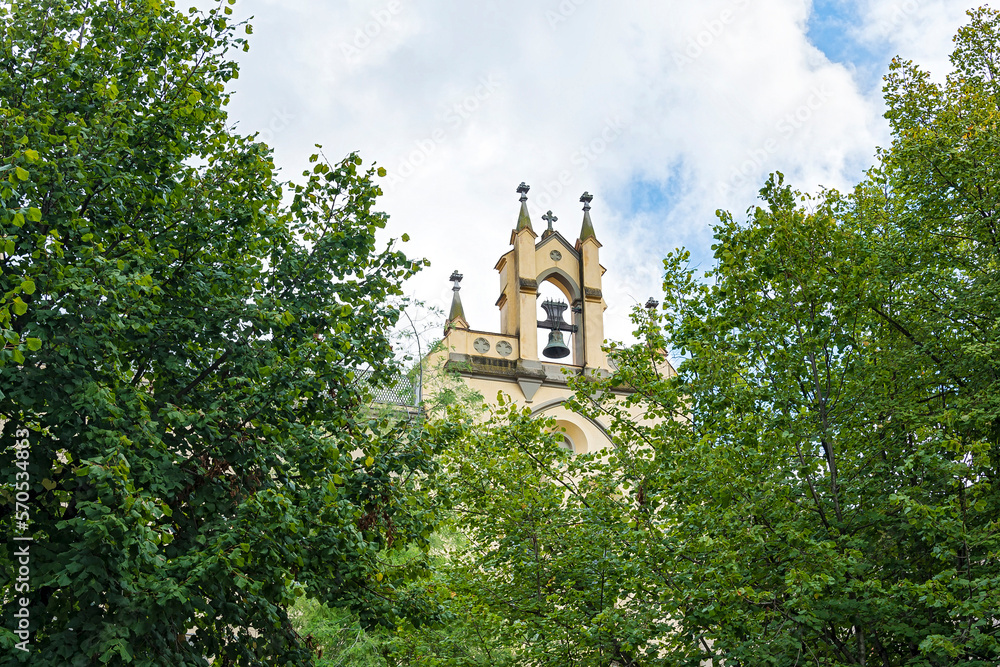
x: 462, y: 101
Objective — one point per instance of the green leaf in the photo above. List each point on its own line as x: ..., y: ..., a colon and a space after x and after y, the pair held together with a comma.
x: 188, y: 381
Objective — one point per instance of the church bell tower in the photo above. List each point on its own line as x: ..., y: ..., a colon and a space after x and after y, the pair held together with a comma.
x: 512, y: 355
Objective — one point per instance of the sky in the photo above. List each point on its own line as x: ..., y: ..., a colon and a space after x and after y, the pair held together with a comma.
x: 664, y: 111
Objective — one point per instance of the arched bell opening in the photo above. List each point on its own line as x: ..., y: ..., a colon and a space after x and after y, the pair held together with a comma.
x: 557, y: 342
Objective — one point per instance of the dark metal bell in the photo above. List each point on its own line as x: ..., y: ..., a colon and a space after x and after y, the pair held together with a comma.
x: 556, y: 348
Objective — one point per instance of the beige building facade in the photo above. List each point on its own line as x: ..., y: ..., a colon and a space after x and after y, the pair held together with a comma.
x: 509, y: 360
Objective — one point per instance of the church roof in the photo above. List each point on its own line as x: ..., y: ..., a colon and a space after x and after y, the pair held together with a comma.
x: 557, y: 237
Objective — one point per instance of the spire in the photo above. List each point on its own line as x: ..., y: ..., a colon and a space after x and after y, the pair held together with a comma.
x: 523, y: 221
x: 456, y: 318
x: 587, y: 232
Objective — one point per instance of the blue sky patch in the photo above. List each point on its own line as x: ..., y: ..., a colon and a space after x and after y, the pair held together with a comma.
x: 644, y: 195
x: 832, y: 28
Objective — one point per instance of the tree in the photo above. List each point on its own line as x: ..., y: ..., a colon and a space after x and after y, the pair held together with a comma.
x: 819, y: 483
x: 180, y: 412
x: 828, y: 484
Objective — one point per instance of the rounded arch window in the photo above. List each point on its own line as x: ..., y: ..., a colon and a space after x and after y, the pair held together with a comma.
x: 572, y: 438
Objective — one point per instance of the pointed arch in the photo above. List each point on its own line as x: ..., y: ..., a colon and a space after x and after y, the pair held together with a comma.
x: 561, y: 279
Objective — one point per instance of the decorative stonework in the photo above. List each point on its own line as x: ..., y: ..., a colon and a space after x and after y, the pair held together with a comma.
x: 488, y: 366
x: 515, y: 360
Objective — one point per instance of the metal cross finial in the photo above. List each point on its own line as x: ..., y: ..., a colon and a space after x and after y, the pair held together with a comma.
x: 523, y: 190
x: 456, y: 278
x: 586, y: 198
x: 549, y: 218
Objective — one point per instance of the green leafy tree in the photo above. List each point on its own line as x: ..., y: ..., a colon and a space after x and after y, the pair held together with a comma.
x: 180, y: 347
x: 819, y: 483
x: 551, y: 551
x: 827, y: 471
x: 464, y: 634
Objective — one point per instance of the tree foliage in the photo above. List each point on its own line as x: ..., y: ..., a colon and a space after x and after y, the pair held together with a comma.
x: 819, y: 483
x: 181, y: 346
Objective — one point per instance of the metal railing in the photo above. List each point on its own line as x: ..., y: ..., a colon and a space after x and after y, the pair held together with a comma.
x: 397, y: 389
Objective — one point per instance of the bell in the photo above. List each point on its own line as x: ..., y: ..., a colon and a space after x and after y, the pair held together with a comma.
x: 556, y: 348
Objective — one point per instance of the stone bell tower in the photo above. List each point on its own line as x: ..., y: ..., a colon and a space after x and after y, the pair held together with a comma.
x: 573, y: 268
x: 510, y: 360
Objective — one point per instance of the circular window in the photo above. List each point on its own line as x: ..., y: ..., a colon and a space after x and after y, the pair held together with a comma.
x: 481, y: 345
x: 504, y: 348
x: 555, y: 255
